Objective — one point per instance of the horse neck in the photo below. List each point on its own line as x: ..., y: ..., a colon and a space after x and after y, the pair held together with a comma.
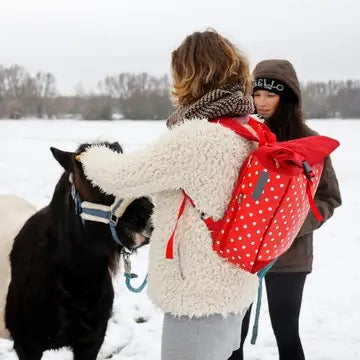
x: 87, y: 246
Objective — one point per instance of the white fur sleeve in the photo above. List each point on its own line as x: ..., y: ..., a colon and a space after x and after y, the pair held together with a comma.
x: 159, y: 167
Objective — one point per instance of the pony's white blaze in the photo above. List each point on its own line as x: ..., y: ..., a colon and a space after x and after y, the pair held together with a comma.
x: 139, y: 239
x: 14, y: 211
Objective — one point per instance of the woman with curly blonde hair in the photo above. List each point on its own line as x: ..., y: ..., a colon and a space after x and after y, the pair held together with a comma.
x: 203, y: 297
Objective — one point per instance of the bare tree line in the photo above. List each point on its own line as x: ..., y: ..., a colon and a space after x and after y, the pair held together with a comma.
x: 22, y: 94
x: 340, y: 99
x: 140, y: 96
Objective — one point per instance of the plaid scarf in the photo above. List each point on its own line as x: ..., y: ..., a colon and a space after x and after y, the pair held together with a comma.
x: 228, y: 100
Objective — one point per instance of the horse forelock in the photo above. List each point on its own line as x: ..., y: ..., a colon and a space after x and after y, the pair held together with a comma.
x: 113, y: 146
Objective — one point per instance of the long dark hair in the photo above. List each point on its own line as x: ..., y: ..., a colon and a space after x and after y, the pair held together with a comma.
x: 288, y: 120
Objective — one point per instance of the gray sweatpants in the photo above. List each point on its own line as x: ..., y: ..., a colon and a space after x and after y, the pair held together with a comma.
x: 204, y: 338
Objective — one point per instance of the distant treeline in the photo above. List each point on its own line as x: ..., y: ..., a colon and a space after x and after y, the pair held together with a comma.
x: 140, y: 96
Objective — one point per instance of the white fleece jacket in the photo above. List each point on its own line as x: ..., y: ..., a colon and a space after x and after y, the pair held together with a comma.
x: 204, y: 159
x: 14, y: 211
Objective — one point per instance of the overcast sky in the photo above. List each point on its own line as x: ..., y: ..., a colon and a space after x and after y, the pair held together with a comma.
x: 89, y: 39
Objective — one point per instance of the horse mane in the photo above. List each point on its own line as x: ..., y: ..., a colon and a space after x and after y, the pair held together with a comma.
x: 113, y: 146
x: 63, y: 186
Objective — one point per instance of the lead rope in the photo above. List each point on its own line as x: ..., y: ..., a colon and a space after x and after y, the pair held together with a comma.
x: 261, y: 274
x: 129, y: 275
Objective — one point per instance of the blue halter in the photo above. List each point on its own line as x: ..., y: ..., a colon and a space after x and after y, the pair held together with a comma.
x: 112, y: 219
x: 110, y: 216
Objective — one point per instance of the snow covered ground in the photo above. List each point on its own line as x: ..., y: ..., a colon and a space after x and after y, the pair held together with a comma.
x: 330, y: 320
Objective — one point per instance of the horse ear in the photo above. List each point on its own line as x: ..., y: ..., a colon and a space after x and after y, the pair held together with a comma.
x: 116, y: 146
x: 64, y: 158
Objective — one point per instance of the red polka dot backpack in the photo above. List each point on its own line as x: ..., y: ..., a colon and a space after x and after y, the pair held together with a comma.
x: 271, y: 199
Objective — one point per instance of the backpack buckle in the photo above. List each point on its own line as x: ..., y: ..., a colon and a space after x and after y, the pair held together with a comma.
x: 308, y: 170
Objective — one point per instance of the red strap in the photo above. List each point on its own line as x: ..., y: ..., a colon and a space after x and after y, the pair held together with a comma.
x: 259, y: 132
x: 313, y: 207
x: 236, y: 126
x: 263, y: 133
x: 170, y: 244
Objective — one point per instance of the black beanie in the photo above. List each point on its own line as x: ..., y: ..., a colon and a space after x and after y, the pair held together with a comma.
x: 272, y: 85
x: 281, y: 70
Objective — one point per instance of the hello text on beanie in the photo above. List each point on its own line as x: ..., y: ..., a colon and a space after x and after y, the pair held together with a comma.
x: 272, y: 85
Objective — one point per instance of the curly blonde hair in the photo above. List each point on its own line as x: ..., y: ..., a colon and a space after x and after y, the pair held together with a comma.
x: 206, y: 61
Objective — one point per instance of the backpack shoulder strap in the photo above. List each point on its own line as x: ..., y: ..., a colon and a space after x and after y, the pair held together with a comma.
x: 262, y: 130
x: 170, y: 243
x: 236, y: 126
x: 263, y: 133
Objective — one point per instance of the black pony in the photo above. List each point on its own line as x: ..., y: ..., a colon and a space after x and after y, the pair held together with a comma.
x: 61, y: 291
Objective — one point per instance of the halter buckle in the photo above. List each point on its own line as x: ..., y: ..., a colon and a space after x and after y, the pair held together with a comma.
x: 113, y: 219
x: 127, y: 263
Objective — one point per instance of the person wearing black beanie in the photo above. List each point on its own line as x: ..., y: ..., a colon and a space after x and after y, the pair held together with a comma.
x: 277, y: 98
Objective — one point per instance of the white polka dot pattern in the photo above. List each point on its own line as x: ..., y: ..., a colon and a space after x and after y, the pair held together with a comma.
x: 257, y: 231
